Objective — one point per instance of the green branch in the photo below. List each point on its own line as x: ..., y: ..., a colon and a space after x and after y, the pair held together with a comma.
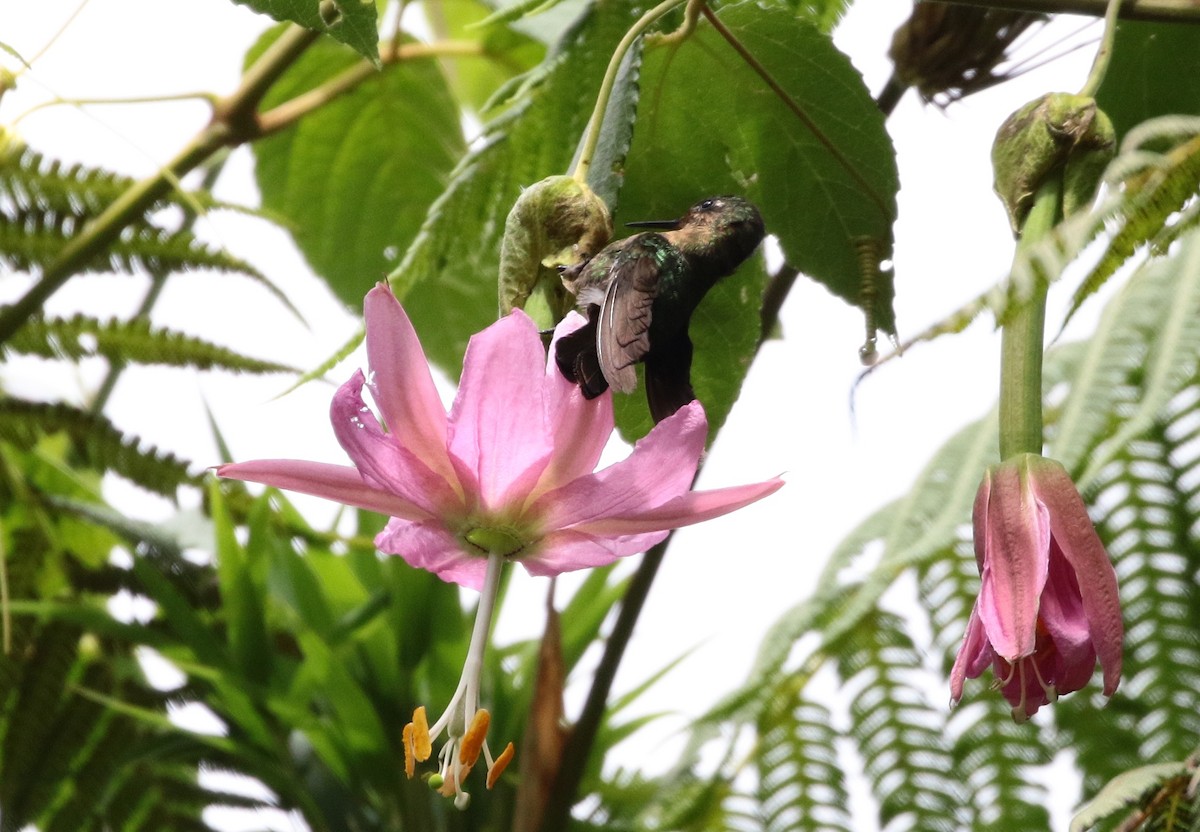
x: 233, y: 122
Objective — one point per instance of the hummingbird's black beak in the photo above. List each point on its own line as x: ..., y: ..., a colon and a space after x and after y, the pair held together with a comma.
x: 664, y: 225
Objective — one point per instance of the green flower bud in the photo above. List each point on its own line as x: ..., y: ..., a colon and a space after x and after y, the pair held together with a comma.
x: 557, y: 222
x: 1057, y: 134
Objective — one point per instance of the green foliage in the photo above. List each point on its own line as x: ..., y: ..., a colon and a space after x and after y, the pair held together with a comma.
x: 1161, y: 783
x: 1155, y: 71
x: 356, y: 177
x: 447, y: 278
x: 975, y: 768
x: 507, y: 52
x: 135, y: 341
x: 350, y: 22
x: 818, y: 163
x: 44, y: 204
x: 98, y: 443
x: 312, y: 650
x: 801, y: 783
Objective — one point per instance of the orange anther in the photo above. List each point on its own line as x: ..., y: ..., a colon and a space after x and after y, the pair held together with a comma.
x: 410, y: 765
x: 472, y: 741
x: 422, y: 744
x: 501, y: 763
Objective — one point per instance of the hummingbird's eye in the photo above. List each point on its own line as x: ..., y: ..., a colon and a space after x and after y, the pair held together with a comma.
x: 708, y: 204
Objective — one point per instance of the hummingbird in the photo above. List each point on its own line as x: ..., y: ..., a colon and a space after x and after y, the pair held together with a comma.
x: 639, y: 294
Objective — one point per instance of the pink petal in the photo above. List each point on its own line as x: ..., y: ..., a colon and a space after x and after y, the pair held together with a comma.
x: 1082, y: 549
x: 382, y: 460
x: 660, y: 468
x: 685, y: 510
x: 567, y: 550
x: 339, y: 483
x: 973, y: 656
x: 1063, y: 616
x: 430, y: 546
x: 1016, y: 553
x: 581, y: 427
x: 498, y: 430
x: 401, y: 383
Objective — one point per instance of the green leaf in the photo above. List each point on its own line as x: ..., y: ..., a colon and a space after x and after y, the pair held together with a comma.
x: 355, y: 178
x: 241, y: 601
x: 506, y: 52
x: 353, y: 22
x: 820, y: 194
x: 1155, y: 71
x: 740, y: 137
x: 1124, y: 791
x: 447, y: 279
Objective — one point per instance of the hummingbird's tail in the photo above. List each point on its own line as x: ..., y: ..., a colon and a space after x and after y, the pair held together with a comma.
x: 668, y: 376
x: 576, y: 357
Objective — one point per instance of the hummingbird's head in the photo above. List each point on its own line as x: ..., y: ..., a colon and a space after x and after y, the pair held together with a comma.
x: 730, y: 224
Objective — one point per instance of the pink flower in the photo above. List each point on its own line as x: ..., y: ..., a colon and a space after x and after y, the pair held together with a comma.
x: 1047, y: 604
x: 510, y: 469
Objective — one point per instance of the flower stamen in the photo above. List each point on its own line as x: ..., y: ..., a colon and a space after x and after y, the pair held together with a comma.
x: 472, y: 741
x: 495, y: 769
x: 466, y: 739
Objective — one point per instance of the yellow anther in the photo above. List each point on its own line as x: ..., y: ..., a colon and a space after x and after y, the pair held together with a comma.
x: 410, y: 764
x: 472, y: 741
x: 501, y: 763
x: 422, y: 744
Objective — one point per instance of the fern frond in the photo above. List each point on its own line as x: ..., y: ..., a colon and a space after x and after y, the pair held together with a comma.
x: 900, y: 736
x: 801, y: 785
x: 997, y: 760
x: 1152, y: 499
x: 1158, y: 352
x: 29, y: 182
x: 31, y: 716
x: 135, y: 341
x: 1159, y: 188
x: 34, y: 240
x: 99, y: 443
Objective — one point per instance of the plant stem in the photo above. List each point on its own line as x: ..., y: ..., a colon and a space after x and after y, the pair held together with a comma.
x: 591, y: 138
x: 233, y: 122
x: 557, y: 815
x: 1104, y: 53
x: 1021, y: 344
x: 1172, y: 11
x: 296, y: 108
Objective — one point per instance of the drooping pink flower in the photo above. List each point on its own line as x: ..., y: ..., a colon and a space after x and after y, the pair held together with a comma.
x: 510, y: 469
x: 1048, y: 604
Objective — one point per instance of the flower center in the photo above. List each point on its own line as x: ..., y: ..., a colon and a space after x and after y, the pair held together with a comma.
x: 495, y: 540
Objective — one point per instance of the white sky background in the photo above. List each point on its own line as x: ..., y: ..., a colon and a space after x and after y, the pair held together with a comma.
x: 724, y: 583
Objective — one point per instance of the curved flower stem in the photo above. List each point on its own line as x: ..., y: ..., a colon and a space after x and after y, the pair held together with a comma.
x: 1021, y: 344
x: 592, y: 137
x: 1104, y: 53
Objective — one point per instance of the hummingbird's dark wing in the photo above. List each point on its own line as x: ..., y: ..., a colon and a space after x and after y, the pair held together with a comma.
x: 623, y: 328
